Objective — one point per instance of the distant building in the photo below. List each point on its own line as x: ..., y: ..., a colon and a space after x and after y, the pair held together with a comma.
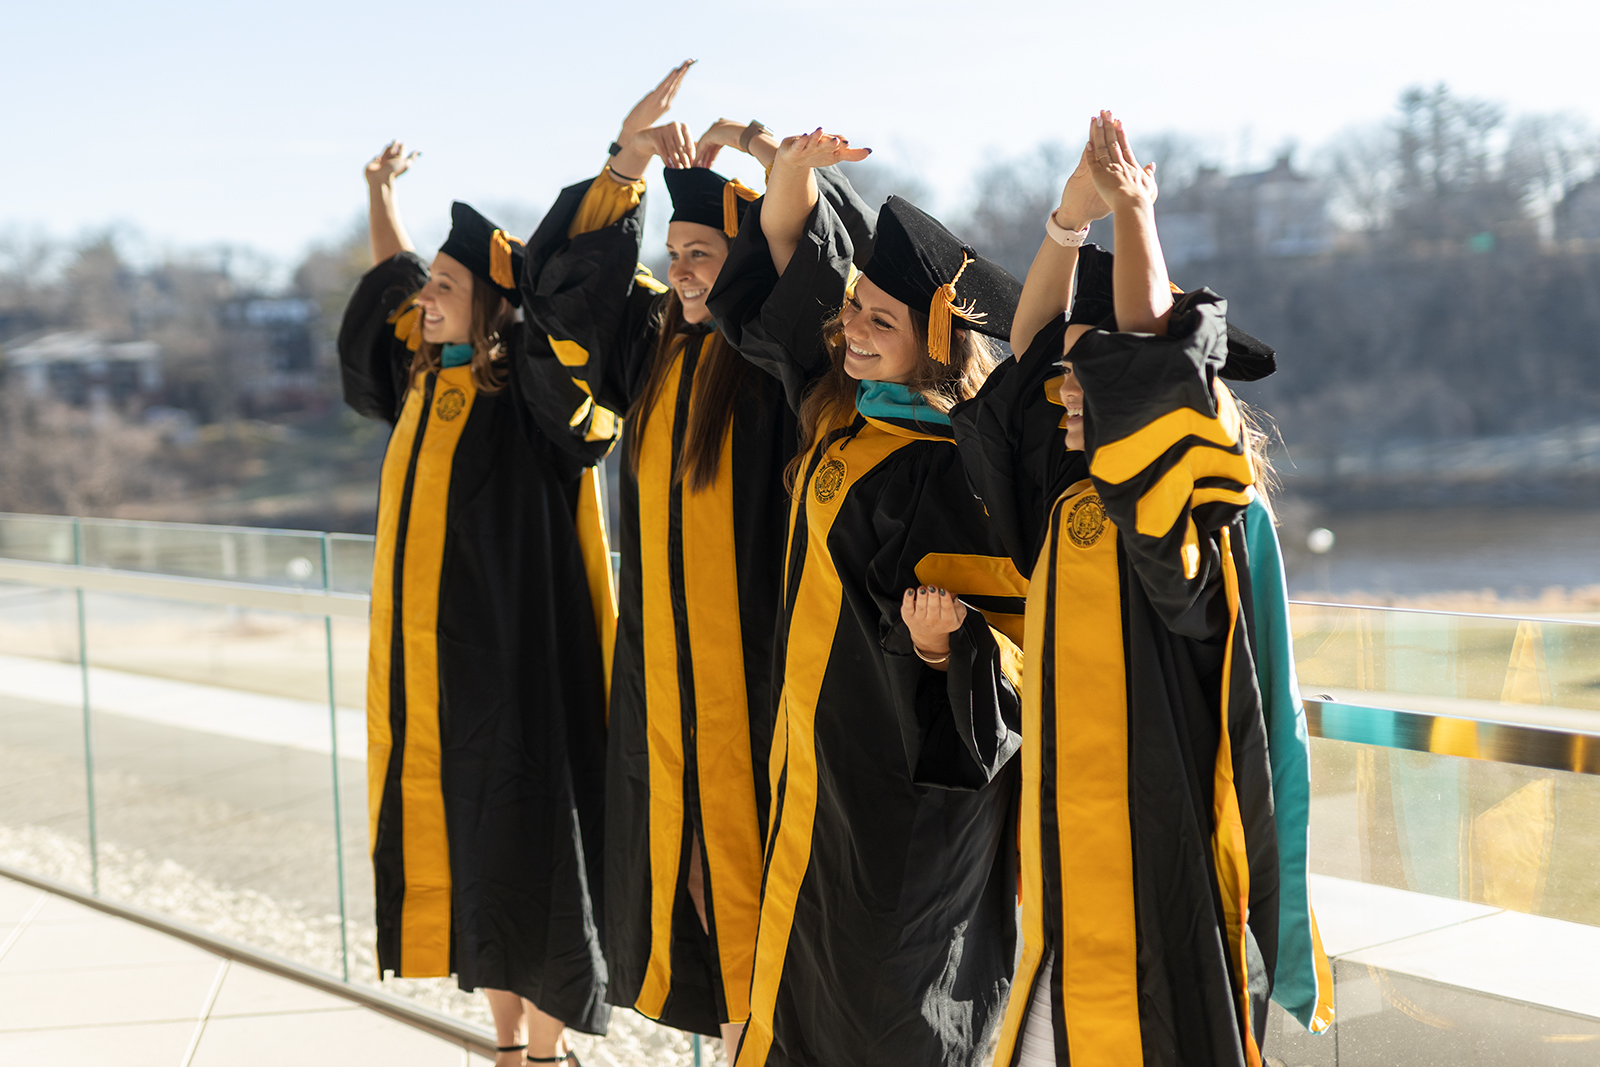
x: 272, y: 350
x: 1577, y: 216
x: 81, y: 367
x: 1274, y: 212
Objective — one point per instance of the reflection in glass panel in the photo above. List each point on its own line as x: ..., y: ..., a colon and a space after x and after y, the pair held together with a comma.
x: 1519, y: 838
x: 350, y: 563
x: 213, y: 770
x: 44, y: 810
x: 37, y: 538
x: 1543, y: 672
x: 229, y: 553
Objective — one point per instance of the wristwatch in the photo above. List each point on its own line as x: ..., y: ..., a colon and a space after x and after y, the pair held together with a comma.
x: 756, y: 126
x: 1061, y: 235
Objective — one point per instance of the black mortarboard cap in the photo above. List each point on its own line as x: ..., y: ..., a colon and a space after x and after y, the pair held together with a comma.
x: 916, y: 260
x: 1249, y: 359
x: 701, y: 195
x: 490, y: 253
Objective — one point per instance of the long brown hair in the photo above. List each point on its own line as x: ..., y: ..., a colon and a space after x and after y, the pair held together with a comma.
x: 717, y: 378
x: 491, y: 319
x: 831, y: 400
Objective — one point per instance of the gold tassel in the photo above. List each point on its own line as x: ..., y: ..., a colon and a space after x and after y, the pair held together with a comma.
x: 407, y: 322
x: 942, y: 307
x: 732, y: 192
x: 500, y: 244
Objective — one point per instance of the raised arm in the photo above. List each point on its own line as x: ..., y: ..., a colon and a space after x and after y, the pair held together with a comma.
x: 640, y: 137
x: 1047, y: 292
x: 751, y: 138
x: 386, y: 234
x: 792, y: 188
x: 1140, y: 286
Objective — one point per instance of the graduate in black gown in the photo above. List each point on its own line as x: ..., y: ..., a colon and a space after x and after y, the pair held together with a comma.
x: 704, y: 515
x: 887, y: 929
x: 491, y: 606
x: 1153, y: 911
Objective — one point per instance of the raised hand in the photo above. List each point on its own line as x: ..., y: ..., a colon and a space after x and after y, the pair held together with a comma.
x: 1117, y: 176
x: 724, y: 133
x: 670, y: 141
x: 656, y: 103
x: 389, y: 164
x: 818, y: 149
x: 1080, y: 201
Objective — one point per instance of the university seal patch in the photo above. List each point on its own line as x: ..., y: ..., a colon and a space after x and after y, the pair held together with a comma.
x: 829, y: 480
x: 450, y: 404
x: 1086, y: 521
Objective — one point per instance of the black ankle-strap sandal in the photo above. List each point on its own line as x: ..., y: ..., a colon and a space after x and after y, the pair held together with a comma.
x: 509, y: 1048
x: 566, y: 1057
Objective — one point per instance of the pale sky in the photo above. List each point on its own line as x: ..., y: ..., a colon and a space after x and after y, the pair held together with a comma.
x: 248, y: 122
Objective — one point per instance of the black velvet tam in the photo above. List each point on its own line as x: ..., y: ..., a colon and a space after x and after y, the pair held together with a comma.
x: 1249, y: 359
x: 697, y: 196
x: 491, y: 254
x: 915, y: 255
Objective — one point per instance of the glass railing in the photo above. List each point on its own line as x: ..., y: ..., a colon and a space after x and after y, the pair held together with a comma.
x: 195, y: 745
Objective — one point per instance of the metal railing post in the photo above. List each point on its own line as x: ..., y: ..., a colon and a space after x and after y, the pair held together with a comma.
x: 333, y: 738
x: 88, y: 725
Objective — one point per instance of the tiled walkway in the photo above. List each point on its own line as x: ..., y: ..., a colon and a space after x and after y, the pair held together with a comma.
x: 79, y: 986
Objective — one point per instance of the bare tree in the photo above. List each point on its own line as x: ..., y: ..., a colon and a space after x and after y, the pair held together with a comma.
x: 1361, y: 168
x: 1548, y: 155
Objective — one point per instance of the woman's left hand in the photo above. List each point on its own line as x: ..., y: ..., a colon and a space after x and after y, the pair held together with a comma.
x: 1117, y: 175
x: 1081, y: 202
x: 819, y: 149
x: 932, y: 615
x: 724, y: 133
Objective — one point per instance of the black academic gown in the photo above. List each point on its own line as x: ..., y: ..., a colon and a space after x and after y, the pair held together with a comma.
x: 1149, y: 855
x: 691, y: 683
x: 888, y: 911
x: 486, y: 682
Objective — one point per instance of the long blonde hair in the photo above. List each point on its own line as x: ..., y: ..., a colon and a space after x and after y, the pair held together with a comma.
x: 832, y: 398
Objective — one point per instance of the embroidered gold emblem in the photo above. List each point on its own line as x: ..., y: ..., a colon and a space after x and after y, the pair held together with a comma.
x: 1086, y: 521
x: 450, y: 404
x: 829, y: 480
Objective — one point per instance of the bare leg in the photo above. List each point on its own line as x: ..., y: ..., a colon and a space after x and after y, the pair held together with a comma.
x: 509, y: 1025
x: 731, y: 1032
x: 697, y: 883
x: 547, y: 1035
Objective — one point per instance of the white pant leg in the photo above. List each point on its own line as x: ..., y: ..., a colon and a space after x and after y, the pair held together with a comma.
x: 1038, y: 1033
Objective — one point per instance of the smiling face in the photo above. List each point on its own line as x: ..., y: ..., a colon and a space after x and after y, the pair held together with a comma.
x: 880, y: 340
x: 1071, y: 394
x: 697, y: 253
x: 446, y: 302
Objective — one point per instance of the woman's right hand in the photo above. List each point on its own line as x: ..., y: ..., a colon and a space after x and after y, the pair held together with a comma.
x: 389, y: 164
x: 1117, y: 175
x: 670, y: 141
x: 817, y: 149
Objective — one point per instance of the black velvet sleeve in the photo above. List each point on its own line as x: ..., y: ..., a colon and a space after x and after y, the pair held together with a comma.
x: 1014, y: 446
x: 776, y: 322
x: 589, y: 295
x: 1167, y: 453
x: 960, y: 726
x: 374, y: 364
x: 563, y: 414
